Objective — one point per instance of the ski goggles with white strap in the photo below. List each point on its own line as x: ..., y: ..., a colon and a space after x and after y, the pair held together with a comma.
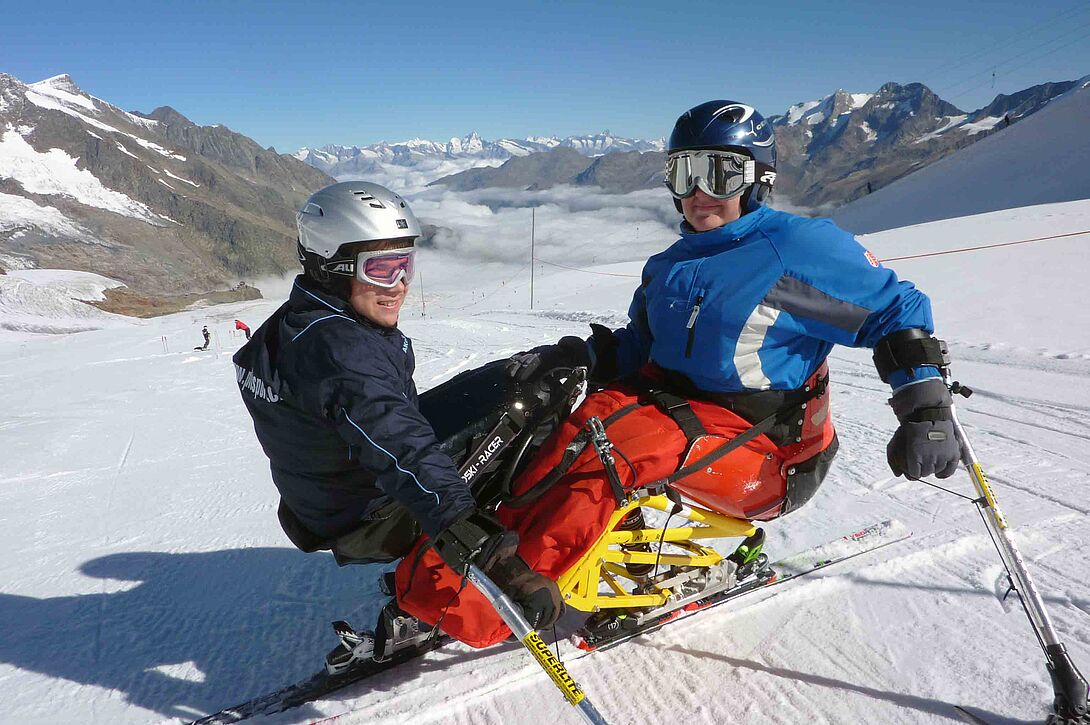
x: 719, y: 174
x: 384, y: 268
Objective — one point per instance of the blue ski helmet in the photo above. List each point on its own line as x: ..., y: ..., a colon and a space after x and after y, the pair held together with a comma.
x: 730, y: 126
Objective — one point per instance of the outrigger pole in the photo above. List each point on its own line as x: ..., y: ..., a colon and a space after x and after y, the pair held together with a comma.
x: 536, y: 646
x: 1070, y: 705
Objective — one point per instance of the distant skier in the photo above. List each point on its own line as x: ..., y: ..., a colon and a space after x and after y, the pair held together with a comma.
x: 240, y: 325
x: 328, y: 382
x: 207, y: 339
x: 729, y: 331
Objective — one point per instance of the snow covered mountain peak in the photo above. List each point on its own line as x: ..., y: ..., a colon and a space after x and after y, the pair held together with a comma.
x: 62, y: 82
x: 338, y: 161
x: 471, y: 144
x: 829, y: 108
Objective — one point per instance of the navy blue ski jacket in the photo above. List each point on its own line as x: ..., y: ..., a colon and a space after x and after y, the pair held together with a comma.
x: 335, y: 409
x: 758, y: 304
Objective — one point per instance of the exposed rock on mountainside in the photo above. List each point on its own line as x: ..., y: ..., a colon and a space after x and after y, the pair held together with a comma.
x: 985, y: 176
x: 848, y: 145
x: 155, y: 201
x: 831, y: 150
x: 540, y: 171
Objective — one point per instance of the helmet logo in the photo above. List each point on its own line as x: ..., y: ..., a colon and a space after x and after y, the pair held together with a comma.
x: 742, y: 119
x: 402, y: 224
x: 768, y: 177
x: 747, y: 111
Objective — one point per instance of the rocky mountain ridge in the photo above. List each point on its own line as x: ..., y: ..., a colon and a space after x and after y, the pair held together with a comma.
x: 831, y: 150
x: 340, y: 161
x: 153, y: 200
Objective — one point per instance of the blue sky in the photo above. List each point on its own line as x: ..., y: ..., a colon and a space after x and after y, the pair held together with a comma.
x: 295, y: 74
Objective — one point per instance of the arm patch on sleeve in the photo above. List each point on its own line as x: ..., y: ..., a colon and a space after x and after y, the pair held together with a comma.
x: 795, y: 297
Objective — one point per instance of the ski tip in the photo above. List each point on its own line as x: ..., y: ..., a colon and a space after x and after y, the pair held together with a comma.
x: 887, y: 528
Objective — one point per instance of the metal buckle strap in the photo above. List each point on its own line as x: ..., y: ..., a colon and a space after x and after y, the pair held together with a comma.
x: 574, y: 449
x: 604, y: 448
x: 681, y: 412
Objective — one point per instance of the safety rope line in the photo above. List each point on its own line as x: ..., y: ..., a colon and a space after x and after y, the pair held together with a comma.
x: 585, y: 271
x: 887, y: 259
x: 984, y: 246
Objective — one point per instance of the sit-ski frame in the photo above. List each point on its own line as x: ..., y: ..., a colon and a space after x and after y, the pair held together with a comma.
x: 604, y: 562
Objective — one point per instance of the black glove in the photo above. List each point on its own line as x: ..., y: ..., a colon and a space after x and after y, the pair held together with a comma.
x: 925, y: 443
x: 536, y: 593
x: 570, y: 352
x: 478, y: 538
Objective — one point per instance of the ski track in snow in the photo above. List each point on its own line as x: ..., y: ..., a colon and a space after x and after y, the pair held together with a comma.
x: 146, y: 578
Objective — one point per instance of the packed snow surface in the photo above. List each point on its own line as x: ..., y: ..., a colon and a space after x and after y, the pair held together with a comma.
x: 54, y: 301
x: 145, y: 578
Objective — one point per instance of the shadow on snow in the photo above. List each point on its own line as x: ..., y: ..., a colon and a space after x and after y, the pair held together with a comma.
x: 249, y: 620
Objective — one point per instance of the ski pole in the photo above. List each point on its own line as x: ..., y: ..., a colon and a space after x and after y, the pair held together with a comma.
x: 1070, y: 703
x: 530, y: 639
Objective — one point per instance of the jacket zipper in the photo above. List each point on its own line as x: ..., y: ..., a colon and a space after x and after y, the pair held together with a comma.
x: 691, y: 326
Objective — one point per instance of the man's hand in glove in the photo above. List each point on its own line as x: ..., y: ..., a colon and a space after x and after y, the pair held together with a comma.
x: 570, y: 352
x: 925, y: 443
x: 478, y: 538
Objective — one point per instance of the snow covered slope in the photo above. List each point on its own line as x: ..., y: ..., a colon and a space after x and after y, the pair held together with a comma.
x: 145, y: 577
x: 53, y: 301
x: 1042, y: 159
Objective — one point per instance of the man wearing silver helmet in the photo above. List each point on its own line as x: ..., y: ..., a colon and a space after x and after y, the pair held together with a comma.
x: 328, y: 382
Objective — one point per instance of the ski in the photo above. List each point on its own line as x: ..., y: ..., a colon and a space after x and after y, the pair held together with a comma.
x: 315, y: 687
x: 788, y: 569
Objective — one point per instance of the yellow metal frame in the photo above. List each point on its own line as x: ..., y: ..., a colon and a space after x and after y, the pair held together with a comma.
x: 604, y: 563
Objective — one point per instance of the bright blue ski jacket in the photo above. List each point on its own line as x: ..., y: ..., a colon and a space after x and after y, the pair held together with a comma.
x: 758, y: 304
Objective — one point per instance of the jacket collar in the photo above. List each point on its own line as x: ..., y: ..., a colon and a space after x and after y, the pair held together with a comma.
x: 724, y: 234
x: 306, y: 296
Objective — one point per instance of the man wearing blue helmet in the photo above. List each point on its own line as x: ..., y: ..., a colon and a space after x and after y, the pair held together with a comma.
x: 745, y: 307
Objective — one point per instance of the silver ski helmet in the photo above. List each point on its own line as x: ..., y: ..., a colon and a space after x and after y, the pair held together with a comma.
x: 341, y: 219
x: 735, y: 127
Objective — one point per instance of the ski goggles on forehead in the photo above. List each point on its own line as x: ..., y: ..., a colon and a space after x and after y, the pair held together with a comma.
x: 719, y: 174
x: 383, y: 268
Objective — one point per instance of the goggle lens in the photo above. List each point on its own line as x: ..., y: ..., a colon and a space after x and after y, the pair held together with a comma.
x: 385, y: 270
x: 720, y: 175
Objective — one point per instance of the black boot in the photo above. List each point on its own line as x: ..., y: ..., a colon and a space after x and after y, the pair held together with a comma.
x: 396, y: 631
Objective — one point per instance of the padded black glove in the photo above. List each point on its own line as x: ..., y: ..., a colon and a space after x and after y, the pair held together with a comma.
x: 477, y: 537
x: 569, y: 352
x: 925, y: 443
x: 536, y: 593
